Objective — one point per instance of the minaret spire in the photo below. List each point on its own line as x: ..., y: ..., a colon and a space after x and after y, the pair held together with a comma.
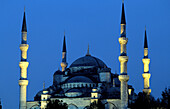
x: 123, y: 22
x: 123, y: 59
x: 146, y: 75
x: 23, y: 82
x: 64, y: 44
x: 64, y: 53
x: 24, y: 26
x: 145, y: 40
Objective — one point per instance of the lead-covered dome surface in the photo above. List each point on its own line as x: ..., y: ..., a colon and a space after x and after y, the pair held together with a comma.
x: 88, y: 60
x: 79, y: 79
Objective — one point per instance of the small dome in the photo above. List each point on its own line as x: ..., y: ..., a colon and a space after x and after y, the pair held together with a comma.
x: 58, y: 72
x: 88, y: 61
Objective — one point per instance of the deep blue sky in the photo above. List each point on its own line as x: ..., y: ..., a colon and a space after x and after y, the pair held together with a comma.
x: 96, y: 22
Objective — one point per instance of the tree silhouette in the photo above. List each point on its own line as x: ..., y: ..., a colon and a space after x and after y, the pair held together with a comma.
x: 141, y: 102
x: 144, y: 101
x: 56, y: 104
x: 0, y: 105
x: 96, y: 105
x: 165, y: 100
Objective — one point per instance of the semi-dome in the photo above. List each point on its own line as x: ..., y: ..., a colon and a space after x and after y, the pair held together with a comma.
x: 88, y: 60
x: 79, y: 79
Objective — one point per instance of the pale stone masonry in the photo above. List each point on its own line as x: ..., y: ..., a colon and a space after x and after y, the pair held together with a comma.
x: 123, y: 59
x: 146, y: 75
x: 23, y: 82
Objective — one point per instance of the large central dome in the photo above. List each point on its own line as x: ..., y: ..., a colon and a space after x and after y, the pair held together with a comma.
x: 88, y: 60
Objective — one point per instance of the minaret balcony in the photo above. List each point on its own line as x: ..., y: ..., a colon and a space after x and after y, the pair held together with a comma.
x: 123, y: 58
x: 123, y: 40
x: 23, y: 82
x: 146, y: 60
x: 146, y: 75
x: 23, y: 65
x: 123, y: 78
x: 24, y: 47
x: 147, y: 91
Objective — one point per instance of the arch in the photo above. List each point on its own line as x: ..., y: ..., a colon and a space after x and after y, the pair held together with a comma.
x: 72, y: 106
x: 86, y: 107
x: 70, y: 85
x: 74, y: 85
x: 36, y: 106
x: 109, y: 105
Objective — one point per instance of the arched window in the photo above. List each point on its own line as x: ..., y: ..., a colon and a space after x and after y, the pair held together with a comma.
x: 72, y: 106
x: 109, y: 105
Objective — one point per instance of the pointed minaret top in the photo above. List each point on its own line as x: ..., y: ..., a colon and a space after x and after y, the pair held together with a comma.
x: 123, y: 20
x: 64, y: 44
x: 88, y: 54
x: 24, y: 26
x: 145, y: 40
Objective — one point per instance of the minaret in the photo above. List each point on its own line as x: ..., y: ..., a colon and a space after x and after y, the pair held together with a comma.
x: 123, y: 59
x: 64, y: 53
x: 23, y: 82
x: 146, y: 75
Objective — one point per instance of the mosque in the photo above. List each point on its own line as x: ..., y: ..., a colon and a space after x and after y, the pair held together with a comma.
x: 86, y: 80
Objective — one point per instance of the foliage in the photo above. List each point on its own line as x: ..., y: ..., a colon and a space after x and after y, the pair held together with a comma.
x: 96, y: 105
x: 0, y: 105
x: 56, y: 104
x: 144, y: 101
x: 165, y: 100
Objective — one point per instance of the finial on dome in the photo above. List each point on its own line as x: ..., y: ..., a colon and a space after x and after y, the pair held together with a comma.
x: 64, y: 43
x: 88, y: 54
x: 24, y: 8
x: 115, y: 71
x: 43, y: 85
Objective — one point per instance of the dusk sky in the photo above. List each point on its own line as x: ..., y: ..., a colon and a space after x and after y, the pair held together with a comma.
x: 93, y: 22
